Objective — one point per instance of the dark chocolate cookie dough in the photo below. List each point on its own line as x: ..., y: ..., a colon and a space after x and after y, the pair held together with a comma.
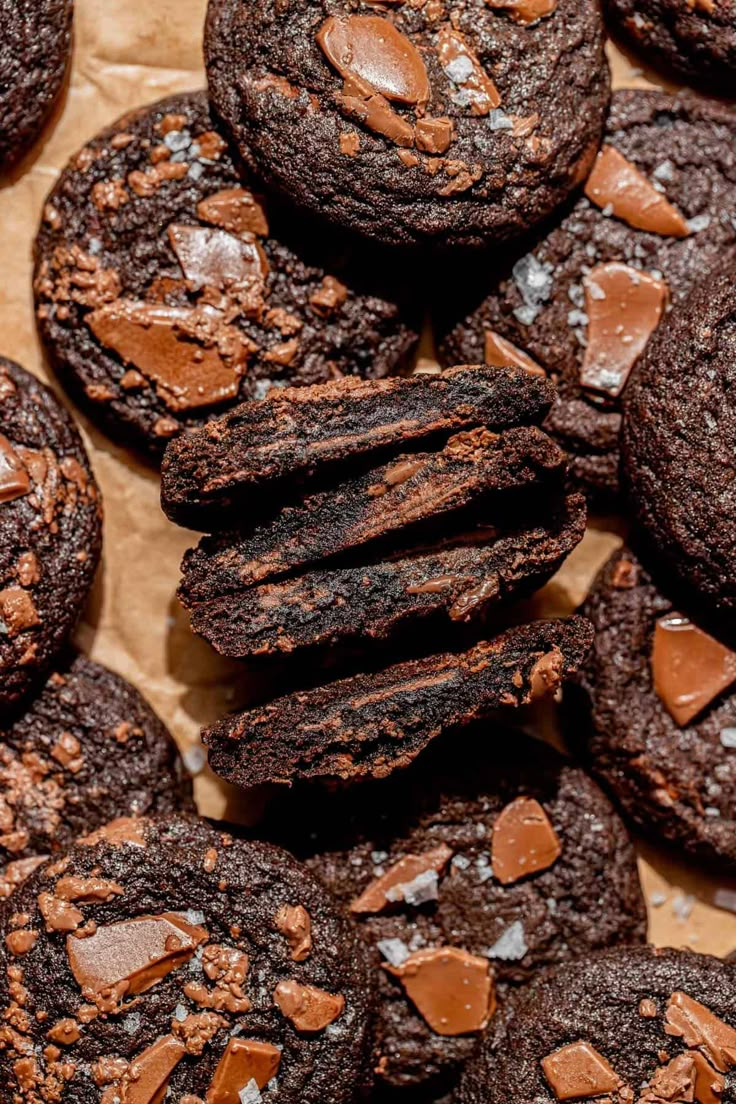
x: 694, y: 39
x: 660, y: 701
x: 164, y: 955
x: 629, y: 1024
x: 50, y: 529
x: 87, y: 750
x: 34, y: 53
x: 679, y: 441
x: 661, y: 215
x: 474, y: 868
x: 166, y: 290
x: 453, y: 122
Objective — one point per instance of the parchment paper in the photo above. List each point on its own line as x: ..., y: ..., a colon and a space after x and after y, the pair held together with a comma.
x: 128, y: 53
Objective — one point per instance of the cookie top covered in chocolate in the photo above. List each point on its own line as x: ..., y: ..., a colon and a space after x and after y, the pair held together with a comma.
x: 633, y: 1024
x: 659, y: 691
x: 470, y: 871
x: 50, y: 530
x: 165, y: 956
x: 679, y: 442
x: 584, y: 300
x: 86, y: 750
x: 450, y: 122
x: 34, y: 54
x: 166, y: 288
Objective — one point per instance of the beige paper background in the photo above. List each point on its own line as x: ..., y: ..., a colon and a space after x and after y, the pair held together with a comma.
x: 128, y: 53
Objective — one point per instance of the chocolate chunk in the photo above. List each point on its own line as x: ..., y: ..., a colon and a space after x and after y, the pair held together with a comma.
x: 147, y: 1078
x: 132, y: 954
x: 193, y: 356
x: 526, y: 12
x: 370, y: 47
x: 624, y: 307
x: 234, y: 209
x: 617, y: 185
x: 308, y: 1008
x: 578, y: 1072
x: 453, y: 990
x: 417, y: 488
x: 462, y: 65
x: 295, y: 923
x: 690, y: 668
x: 291, y: 432
x: 459, y: 578
x: 368, y: 725
x: 524, y: 841
x: 699, y: 1027
x: 390, y: 887
x: 216, y: 257
x: 14, y: 478
x: 500, y: 352
x: 244, y: 1060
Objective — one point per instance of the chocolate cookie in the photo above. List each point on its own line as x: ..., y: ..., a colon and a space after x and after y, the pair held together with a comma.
x: 583, y: 301
x: 166, y: 291
x: 469, y: 872
x: 34, y: 54
x: 659, y: 690
x: 165, y: 955
x: 449, y: 123
x: 680, y: 437
x: 625, y: 1025
x: 695, y: 39
x: 368, y: 725
x: 50, y: 529
x: 210, y: 474
x: 87, y: 750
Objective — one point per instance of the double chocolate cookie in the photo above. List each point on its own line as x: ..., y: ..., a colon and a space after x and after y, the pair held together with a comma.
x: 466, y: 874
x: 166, y: 957
x: 34, y: 54
x: 628, y: 1025
x: 368, y: 725
x: 87, y: 750
x: 583, y: 301
x: 659, y: 695
x: 370, y: 537
x: 50, y: 530
x: 166, y: 290
x: 695, y: 39
x: 680, y: 442
x: 453, y: 122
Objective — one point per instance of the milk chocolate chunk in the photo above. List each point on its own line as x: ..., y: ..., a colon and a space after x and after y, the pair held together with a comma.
x: 377, y: 504
x: 295, y: 431
x: 463, y: 67
x: 458, y: 578
x: 368, y: 725
x: 216, y: 257
x: 371, y: 48
x: 579, y: 1072
x: 624, y: 307
x: 294, y: 922
x: 360, y: 100
x: 525, y: 12
x: 689, y: 668
x: 308, y: 1008
x: 390, y: 887
x: 500, y: 352
x: 244, y: 1060
x: 452, y: 989
x: 147, y: 1078
x: 14, y: 479
x: 192, y: 355
x: 708, y: 1082
x: 524, y: 841
x: 617, y: 185
x: 234, y: 209
x: 700, y: 1028
x: 136, y: 952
